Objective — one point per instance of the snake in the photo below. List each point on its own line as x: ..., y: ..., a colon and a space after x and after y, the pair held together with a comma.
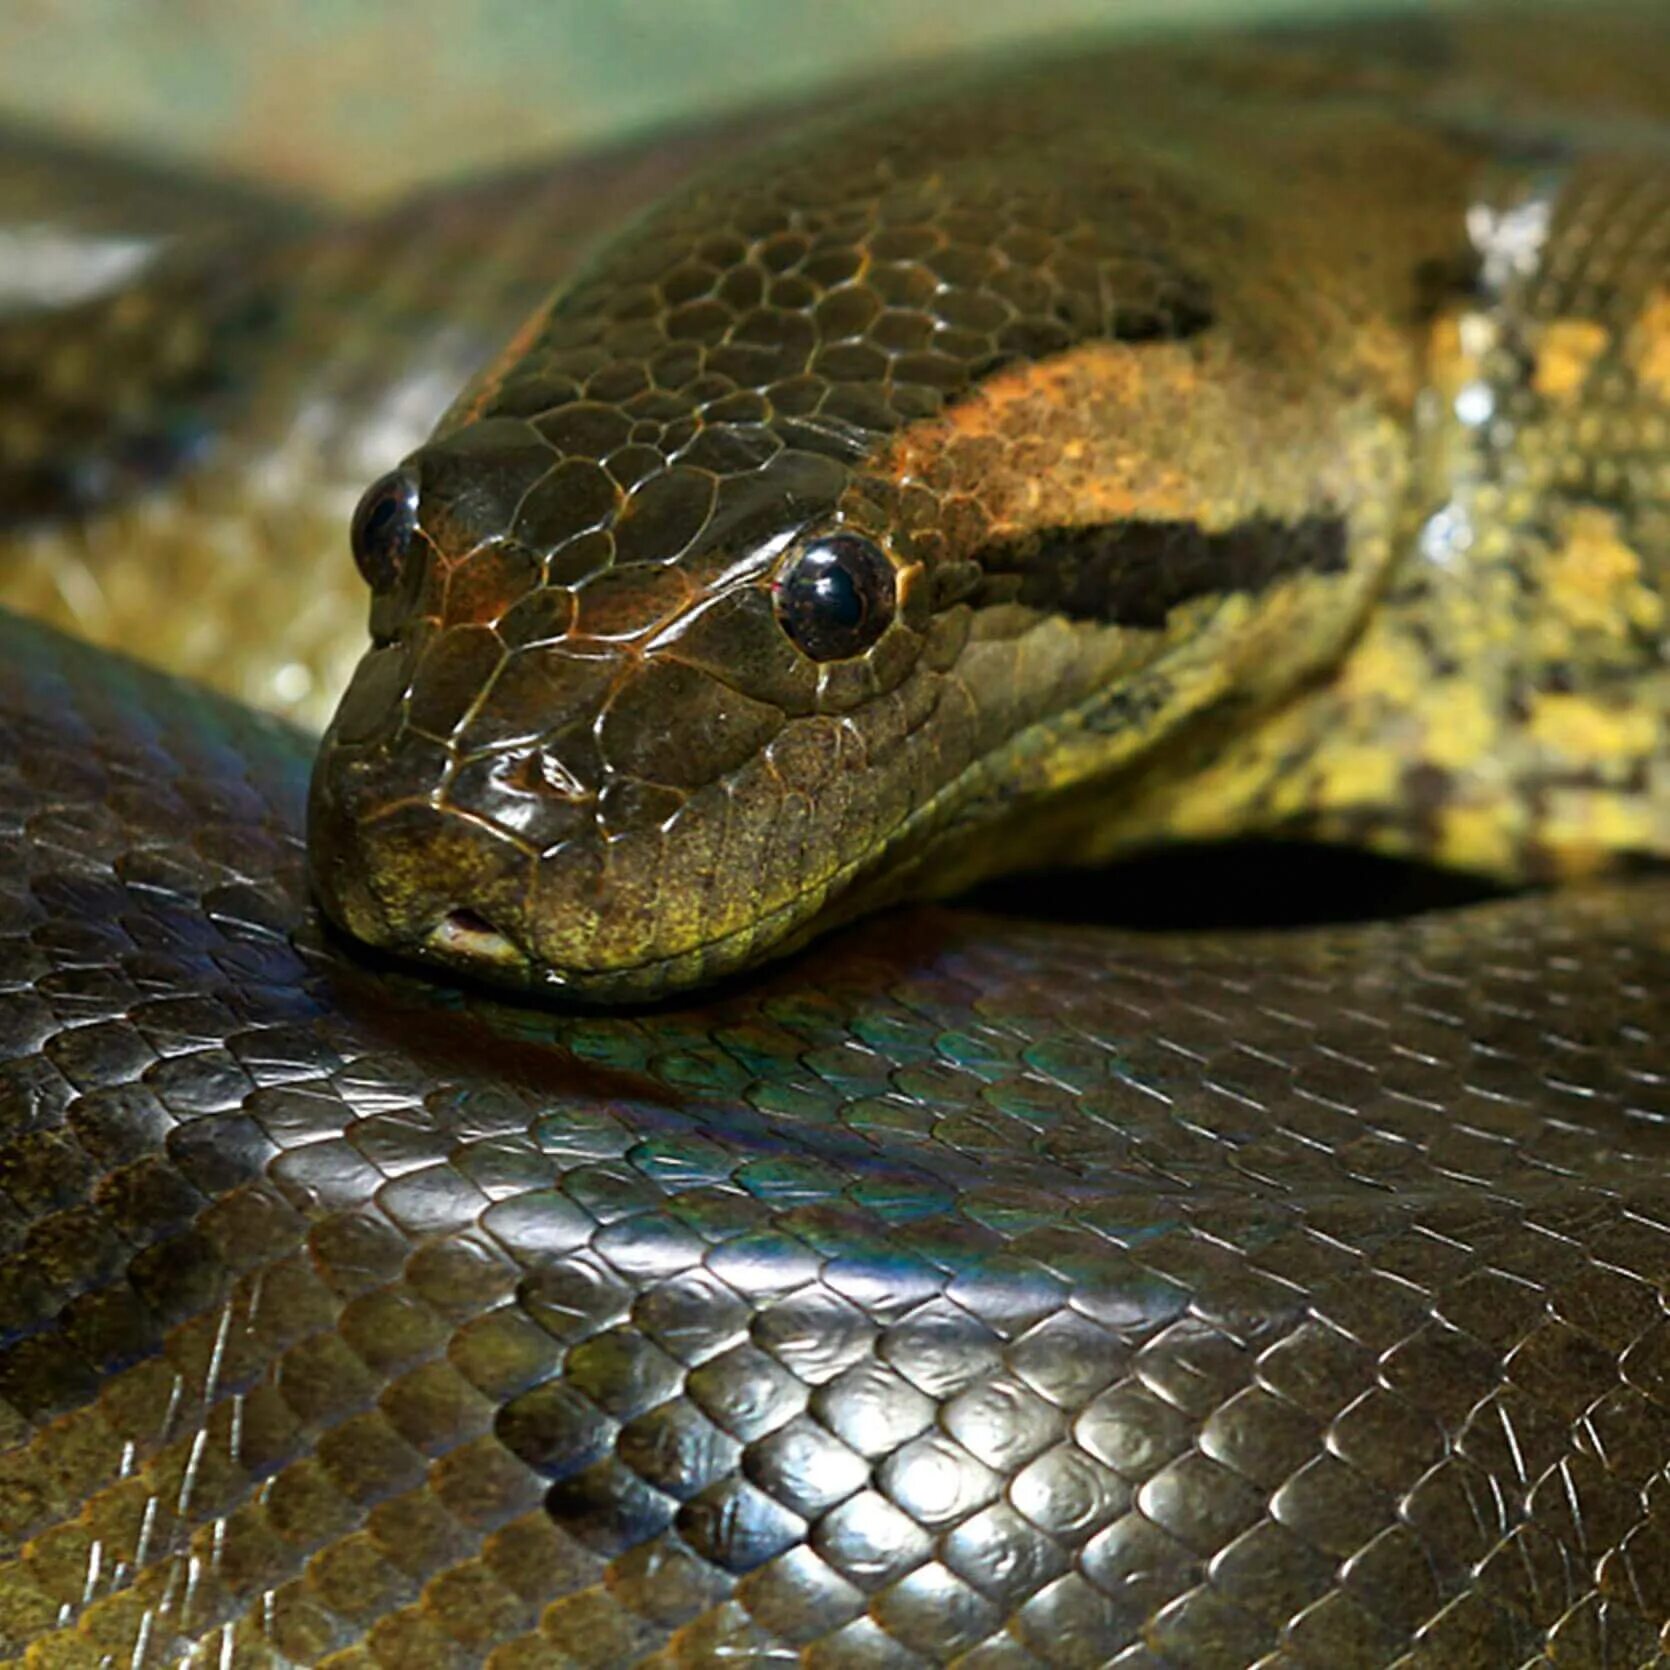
x: 534, y: 1178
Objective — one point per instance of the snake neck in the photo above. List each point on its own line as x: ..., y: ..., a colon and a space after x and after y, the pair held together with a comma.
x: 1505, y: 707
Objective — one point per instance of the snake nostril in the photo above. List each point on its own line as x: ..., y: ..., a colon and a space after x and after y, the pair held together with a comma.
x: 465, y: 934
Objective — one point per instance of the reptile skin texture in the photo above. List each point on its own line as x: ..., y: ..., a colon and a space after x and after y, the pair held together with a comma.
x: 966, y: 1291
x: 1268, y: 437
x: 966, y: 1288
x: 201, y: 426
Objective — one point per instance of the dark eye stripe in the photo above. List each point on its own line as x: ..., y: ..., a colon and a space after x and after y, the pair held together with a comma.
x: 1134, y: 573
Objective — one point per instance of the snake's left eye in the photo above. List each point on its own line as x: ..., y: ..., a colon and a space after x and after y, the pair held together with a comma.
x: 384, y: 523
x: 835, y: 596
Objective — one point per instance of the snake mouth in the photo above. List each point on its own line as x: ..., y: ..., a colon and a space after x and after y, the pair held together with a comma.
x: 465, y: 937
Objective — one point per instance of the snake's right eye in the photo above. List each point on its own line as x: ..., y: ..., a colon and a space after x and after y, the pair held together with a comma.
x: 835, y: 596
x: 384, y: 522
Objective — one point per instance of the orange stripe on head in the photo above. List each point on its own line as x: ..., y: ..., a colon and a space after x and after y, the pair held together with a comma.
x: 1100, y: 433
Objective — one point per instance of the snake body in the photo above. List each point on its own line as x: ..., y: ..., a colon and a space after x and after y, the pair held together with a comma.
x: 966, y: 1289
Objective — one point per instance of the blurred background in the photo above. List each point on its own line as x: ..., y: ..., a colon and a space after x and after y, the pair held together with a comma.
x: 352, y: 99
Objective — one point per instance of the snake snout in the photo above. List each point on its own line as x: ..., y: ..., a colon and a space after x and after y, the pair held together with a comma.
x: 399, y: 872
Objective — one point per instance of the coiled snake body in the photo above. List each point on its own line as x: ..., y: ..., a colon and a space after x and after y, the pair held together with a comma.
x: 1265, y: 436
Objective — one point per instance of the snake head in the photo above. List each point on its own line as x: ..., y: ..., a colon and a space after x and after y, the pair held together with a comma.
x: 611, y: 730
x: 825, y: 538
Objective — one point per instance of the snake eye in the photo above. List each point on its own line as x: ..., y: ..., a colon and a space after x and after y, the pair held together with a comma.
x: 384, y: 521
x: 835, y: 596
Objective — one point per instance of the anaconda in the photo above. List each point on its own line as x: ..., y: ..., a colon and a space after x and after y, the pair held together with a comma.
x: 964, y: 1290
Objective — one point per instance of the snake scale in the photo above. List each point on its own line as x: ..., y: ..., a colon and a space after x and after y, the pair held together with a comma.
x: 1266, y: 434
